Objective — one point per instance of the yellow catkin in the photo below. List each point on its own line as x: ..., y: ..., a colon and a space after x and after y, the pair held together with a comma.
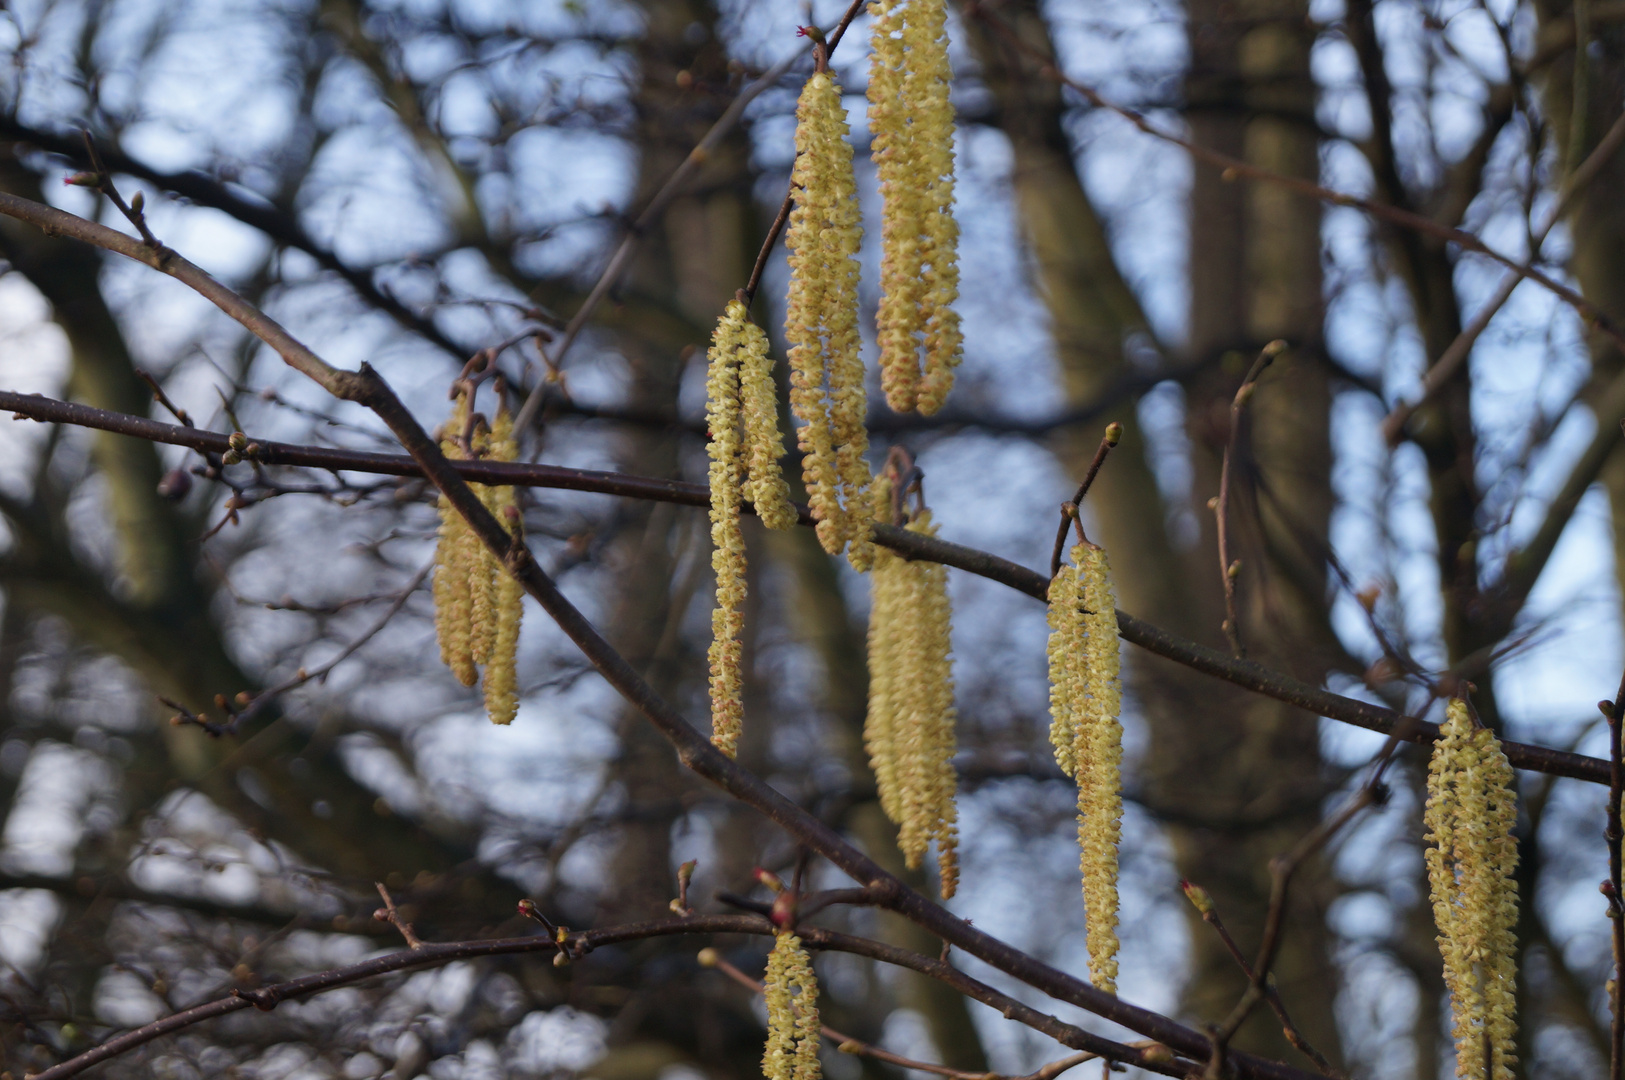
x: 821, y: 322
x: 1471, y: 811
x: 482, y: 566
x: 1099, y: 755
x: 911, y: 123
x: 722, y: 415
x: 456, y: 553
x: 793, y: 1028
x: 1085, y: 701
x: 501, y: 670
x: 759, y: 402
x: 909, y: 729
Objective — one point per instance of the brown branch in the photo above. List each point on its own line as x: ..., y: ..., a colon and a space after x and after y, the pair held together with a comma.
x: 1069, y: 510
x: 391, y: 914
x: 1243, y: 673
x: 1154, y: 1057
x: 279, y: 227
x: 1232, y: 167
x: 1229, y: 571
x: 1614, y: 834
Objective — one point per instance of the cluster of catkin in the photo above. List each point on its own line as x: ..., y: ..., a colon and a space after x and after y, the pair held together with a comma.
x: 1471, y: 810
x: 477, y: 603
x: 1085, y: 698
x: 742, y: 413
x: 821, y: 323
x: 909, y: 730
x: 793, y: 1027
x: 911, y: 123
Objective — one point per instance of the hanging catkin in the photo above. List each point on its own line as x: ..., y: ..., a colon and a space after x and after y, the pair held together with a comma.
x: 911, y: 123
x: 1471, y: 810
x: 793, y: 1028
x: 722, y: 416
x: 821, y: 323
x: 1085, y: 699
x: 456, y: 558
x: 508, y: 596
x: 742, y: 413
x: 909, y: 730
x: 477, y: 602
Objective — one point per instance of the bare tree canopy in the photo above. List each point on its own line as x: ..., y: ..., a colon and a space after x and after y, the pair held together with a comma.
x: 997, y: 538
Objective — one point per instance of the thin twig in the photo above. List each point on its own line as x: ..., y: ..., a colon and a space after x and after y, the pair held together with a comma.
x: 302, y: 676
x: 1613, y: 832
x: 1393, y: 425
x: 391, y: 914
x: 1069, y: 510
x: 1229, y: 571
x: 1246, y: 674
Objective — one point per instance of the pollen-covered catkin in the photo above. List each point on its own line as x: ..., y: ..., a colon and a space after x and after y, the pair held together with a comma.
x: 456, y: 555
x: 909, y: 730
x: 482, y: 569
x: 722, y: 416
x: 821, y: 321
x: 911, y: 123
x: 759, y: 402
x: 793, y: 1027
x: 1471, y: 810
x: 1085, y: 700
x: 508, y: 596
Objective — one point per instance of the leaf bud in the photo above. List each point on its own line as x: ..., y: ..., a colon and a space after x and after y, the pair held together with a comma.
x: 1114, y: 433
x: 175, y: 485
x: 137, y: 203
x: 238, y: 441
x: 708, y: 958
x: 1197, y: 896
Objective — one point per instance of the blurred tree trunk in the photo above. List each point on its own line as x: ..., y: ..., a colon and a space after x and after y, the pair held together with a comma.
x: 1255, y: 276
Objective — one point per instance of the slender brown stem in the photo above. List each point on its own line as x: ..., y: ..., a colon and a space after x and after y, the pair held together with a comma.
x: 1613, y: 833
x: 1229, y: 571
x: 1069, y: 510
x: 1209, y: 661
x: 823, y: 50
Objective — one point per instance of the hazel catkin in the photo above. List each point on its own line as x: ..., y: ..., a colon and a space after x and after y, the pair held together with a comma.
x: 477, y: 602
x: 456, y: 556
x: 1472, y: 856
x: 507, y: 594
x: 911, y: 122
x: 1085, y: 701
x: 722, y: 417
x: 821, y: 322
x: 793, y: 1027
x: 909, y: 728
